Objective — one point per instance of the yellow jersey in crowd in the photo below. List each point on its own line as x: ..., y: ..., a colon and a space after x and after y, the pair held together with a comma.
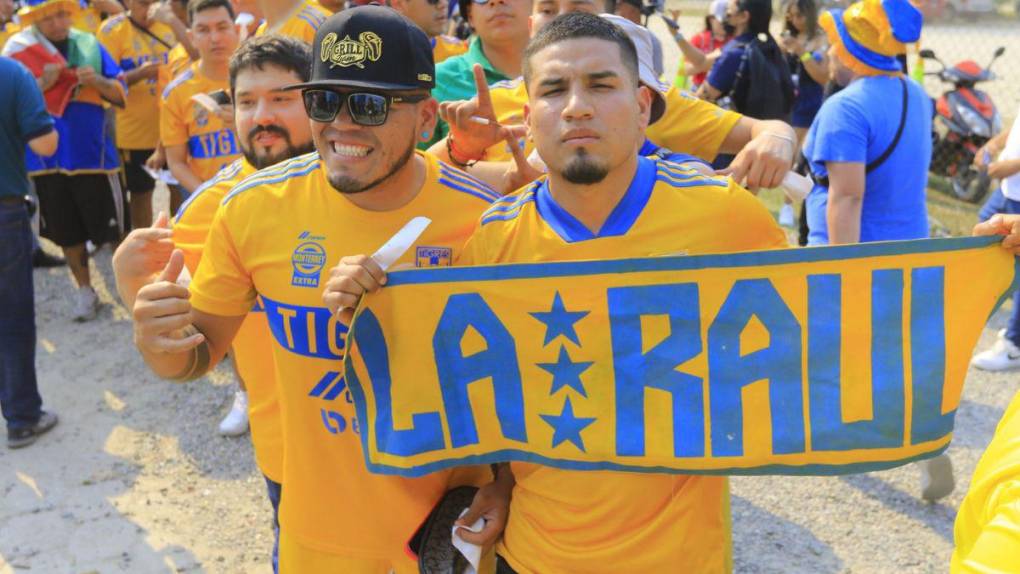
x: 274, y: 240
x: 689, y: 125
x: 605, y: 521
x: 987, y: 530
x: 302, y: 24
x: 444, y: 47
x: 252, y: 347
x: 88, y: 18
x: 211, y: 145
x: 177, y: 61
x: 6, y: 31
x: 138, y: 122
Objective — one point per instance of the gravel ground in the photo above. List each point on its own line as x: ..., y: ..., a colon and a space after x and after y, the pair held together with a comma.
x: 135, y: 478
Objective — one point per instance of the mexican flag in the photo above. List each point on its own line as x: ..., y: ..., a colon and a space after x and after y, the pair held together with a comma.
x: 33, y: 50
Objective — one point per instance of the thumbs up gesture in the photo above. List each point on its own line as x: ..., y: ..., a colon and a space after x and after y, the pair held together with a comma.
x: 142, y: 255
x: 162, y: 313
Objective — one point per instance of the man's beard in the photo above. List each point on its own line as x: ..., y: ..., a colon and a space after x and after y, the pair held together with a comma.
x: 290, y: 151
x: 583, y: 170
x: 349, y: 185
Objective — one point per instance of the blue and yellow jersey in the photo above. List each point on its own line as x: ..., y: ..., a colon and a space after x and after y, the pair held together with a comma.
x: 252, y: 347
x: 302, y: 24
x: 444, y: 47
x: 177, y: 61
x: 987, y: 530
x: 689, y: 125
x: 603, y: 521
x: 85, y: 143
x: 211, y: 145
x: 274, y: 239
x: 138, y: 121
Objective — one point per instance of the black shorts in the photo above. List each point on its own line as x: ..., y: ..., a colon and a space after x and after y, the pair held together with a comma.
x: 136, y: 179
x: 76, y: 208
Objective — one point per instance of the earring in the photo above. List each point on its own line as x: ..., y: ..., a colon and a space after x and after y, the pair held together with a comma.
x: 425, y: 136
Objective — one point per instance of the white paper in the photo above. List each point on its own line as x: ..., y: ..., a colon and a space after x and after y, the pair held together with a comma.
x: 471, y: 552
x: 391, y: 251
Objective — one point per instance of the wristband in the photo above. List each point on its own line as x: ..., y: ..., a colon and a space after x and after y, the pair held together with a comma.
x: 453, y: 152
x: 806, y: 56
x: 679, y: 36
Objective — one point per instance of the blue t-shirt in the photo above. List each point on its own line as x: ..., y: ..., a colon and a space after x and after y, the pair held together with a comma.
x: 86, y: 145
x: 724, y: 72
x: 857, y: 125
x: 23, y: 117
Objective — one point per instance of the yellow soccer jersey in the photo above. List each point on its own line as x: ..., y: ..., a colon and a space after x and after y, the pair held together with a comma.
x: 252, y: 347
x: 276, y: 235
x: 211, y: 145
x: 689, y: 125
x: 177, y: 62
x: 6, y: 31
x: 444, y: 47
x: 138, y: 121
x: 987, y: 531
x: 87, y: 19
x: 302, y: 24
x: 604, y: 521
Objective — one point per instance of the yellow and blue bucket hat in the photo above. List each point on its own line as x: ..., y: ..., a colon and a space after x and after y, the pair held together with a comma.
x: 871, y: 33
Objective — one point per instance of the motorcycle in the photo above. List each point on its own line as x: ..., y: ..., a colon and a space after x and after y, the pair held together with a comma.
x: 966, y: 119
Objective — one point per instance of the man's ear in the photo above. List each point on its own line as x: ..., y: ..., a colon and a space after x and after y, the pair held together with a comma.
x: 428, y: 115
x: 644, y: 100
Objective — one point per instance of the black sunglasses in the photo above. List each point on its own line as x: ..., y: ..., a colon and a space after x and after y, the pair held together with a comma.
x: 366, y: 108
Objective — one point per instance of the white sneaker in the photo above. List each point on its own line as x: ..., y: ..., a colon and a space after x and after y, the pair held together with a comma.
x: 1002, y: 356
x: 85, y: 306
x: 236, y: 421
x: 786, y: 215
x: 937, y: 478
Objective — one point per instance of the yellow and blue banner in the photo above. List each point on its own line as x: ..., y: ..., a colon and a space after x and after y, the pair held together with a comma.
x: 820, y: 361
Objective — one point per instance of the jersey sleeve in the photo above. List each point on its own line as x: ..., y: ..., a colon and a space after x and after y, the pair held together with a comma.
x: 998, y: 544
x: 173, y: 126
x: 692, y: 126
x: 222, y: 286
x: 751, y: 226
x: 473, y: 252
x: 192, y: 223
x: 111, y: 69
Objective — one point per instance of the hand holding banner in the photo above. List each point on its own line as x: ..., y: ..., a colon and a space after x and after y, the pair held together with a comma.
x: 805, y: 361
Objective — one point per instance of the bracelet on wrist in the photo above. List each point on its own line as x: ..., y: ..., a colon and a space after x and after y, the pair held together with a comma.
x: 457, y: 158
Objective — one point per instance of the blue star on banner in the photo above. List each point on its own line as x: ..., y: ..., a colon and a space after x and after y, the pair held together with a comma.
x: 558, y: 321
x: 567, y: 427
x: 566, y: 373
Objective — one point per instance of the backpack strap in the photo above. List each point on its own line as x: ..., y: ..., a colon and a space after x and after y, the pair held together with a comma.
x: 877, y: 162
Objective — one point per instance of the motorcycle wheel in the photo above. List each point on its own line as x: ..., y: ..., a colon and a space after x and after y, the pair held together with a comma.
x: 970, y: 184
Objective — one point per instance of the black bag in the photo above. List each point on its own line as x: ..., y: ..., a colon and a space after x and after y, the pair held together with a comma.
x: 763, y: 88
x: 432, y: 543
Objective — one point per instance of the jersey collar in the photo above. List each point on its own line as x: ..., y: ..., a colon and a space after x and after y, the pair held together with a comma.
x: 620, y: 220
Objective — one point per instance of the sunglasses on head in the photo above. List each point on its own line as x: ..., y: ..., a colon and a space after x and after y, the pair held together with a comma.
x: 365, y: 108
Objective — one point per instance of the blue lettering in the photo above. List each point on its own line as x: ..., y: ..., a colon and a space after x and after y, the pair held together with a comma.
x: 426, y: 432
x: 928, y: 354
x: 730, y: 371
x: 497, y: 362
x: 635, y: 371
x: 885, y: 429
x: 306, y: 331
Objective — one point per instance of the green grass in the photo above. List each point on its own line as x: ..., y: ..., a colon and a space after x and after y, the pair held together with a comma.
x: 948, y: 216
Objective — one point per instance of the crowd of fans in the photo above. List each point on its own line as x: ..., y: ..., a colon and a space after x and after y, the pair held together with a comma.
x: 102, y: 100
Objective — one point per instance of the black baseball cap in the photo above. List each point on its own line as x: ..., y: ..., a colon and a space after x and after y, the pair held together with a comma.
x: 371, y: 47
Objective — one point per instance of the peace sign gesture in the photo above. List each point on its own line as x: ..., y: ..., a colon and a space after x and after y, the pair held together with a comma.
x: 473, y: 123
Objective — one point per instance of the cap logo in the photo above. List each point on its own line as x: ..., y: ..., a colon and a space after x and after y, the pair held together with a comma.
x: 348, y: 52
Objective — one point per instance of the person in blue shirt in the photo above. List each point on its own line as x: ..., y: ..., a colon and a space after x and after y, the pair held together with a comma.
x: 879, y: 115
x: 23, y: 121
x: 869, y: 148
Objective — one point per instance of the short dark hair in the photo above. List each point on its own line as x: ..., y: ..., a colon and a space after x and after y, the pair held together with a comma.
x: 271, y: 50
x: 578, y: 25
x: 196, y: 6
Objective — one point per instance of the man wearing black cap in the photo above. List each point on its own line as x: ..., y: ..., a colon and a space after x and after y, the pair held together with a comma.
x: 273, y: 241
